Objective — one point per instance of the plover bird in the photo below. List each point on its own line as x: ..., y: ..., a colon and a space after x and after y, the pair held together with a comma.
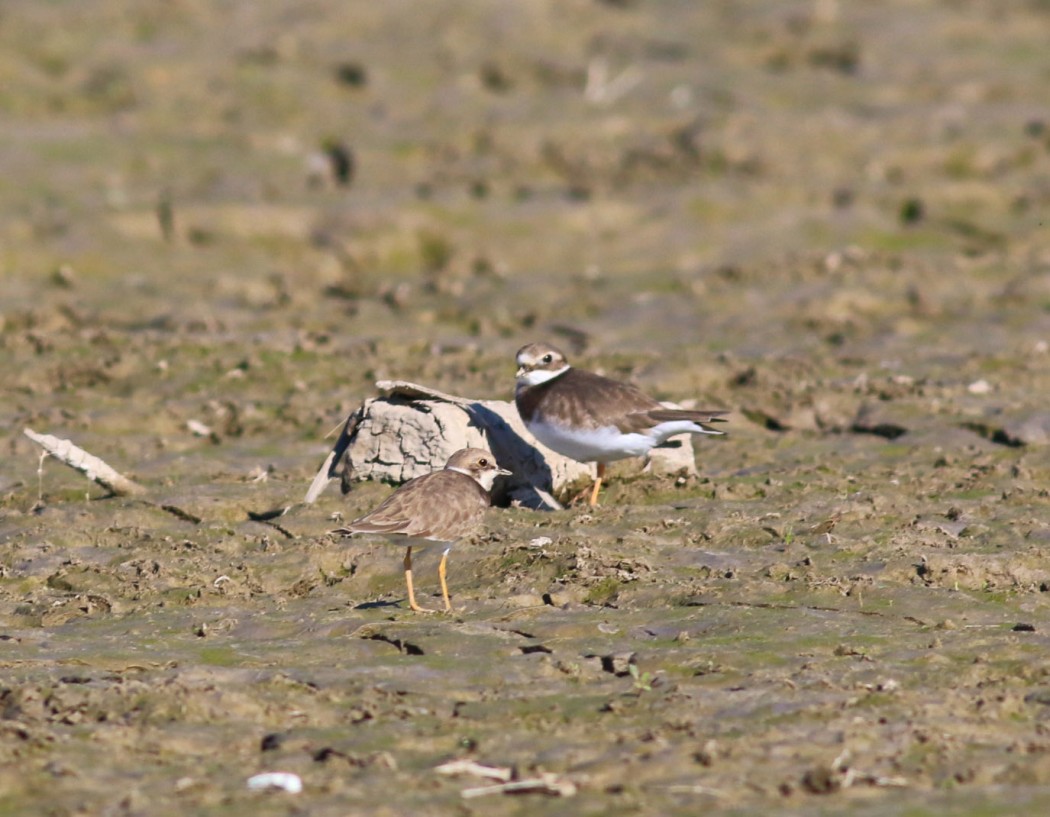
x: 591, y: 418
x: 441, y: 507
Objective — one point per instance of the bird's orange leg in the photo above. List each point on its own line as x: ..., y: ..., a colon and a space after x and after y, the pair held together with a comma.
x: 444, y: 585
x: 597, y: 484
x: 591, y: 492
x: 408, y: 583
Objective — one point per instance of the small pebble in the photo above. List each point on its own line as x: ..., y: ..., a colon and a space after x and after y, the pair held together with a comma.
x: 285, y: 781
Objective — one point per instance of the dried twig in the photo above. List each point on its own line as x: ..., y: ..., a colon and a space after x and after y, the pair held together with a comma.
x: 88, y: 464
x: 466, y: 766
x: 547, y: 783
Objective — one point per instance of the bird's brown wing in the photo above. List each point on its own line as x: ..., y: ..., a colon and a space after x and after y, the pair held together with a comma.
x: 443, y: 505
x: 641, y: 421
x: 588, y: 400
x: 584, y: 399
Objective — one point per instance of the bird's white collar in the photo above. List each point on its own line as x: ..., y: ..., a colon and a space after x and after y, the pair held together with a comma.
x: 538, y: 376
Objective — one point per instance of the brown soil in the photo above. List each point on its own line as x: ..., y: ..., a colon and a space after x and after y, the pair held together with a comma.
x: 828, y: 217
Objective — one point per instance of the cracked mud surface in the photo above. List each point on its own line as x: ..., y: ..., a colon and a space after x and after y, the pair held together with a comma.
x: 827, y: 217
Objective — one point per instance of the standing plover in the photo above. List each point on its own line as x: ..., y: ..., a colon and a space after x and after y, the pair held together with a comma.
x: 591, y: 418
x: 436, y: 508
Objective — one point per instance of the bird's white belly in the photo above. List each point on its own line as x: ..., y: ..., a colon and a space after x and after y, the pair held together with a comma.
x: 591, y: 445
x: 608, y: 443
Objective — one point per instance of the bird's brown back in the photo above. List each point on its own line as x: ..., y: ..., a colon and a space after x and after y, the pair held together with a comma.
x: 588, y: 400
x: 443, y: 505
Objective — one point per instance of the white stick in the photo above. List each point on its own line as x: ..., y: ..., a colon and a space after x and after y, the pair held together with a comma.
x: 548, y: 784
x: 465, y: 766
x: 88, y: 464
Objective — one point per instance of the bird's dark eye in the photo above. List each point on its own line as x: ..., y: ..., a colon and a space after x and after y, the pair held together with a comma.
x: 483, y: 462
x: 548, y: 358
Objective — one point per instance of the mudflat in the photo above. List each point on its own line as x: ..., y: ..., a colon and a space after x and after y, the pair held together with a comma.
x: 220, y: 224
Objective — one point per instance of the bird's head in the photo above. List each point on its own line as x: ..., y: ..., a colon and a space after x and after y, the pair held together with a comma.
x: 477, y: 464
x: 538, y: 363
